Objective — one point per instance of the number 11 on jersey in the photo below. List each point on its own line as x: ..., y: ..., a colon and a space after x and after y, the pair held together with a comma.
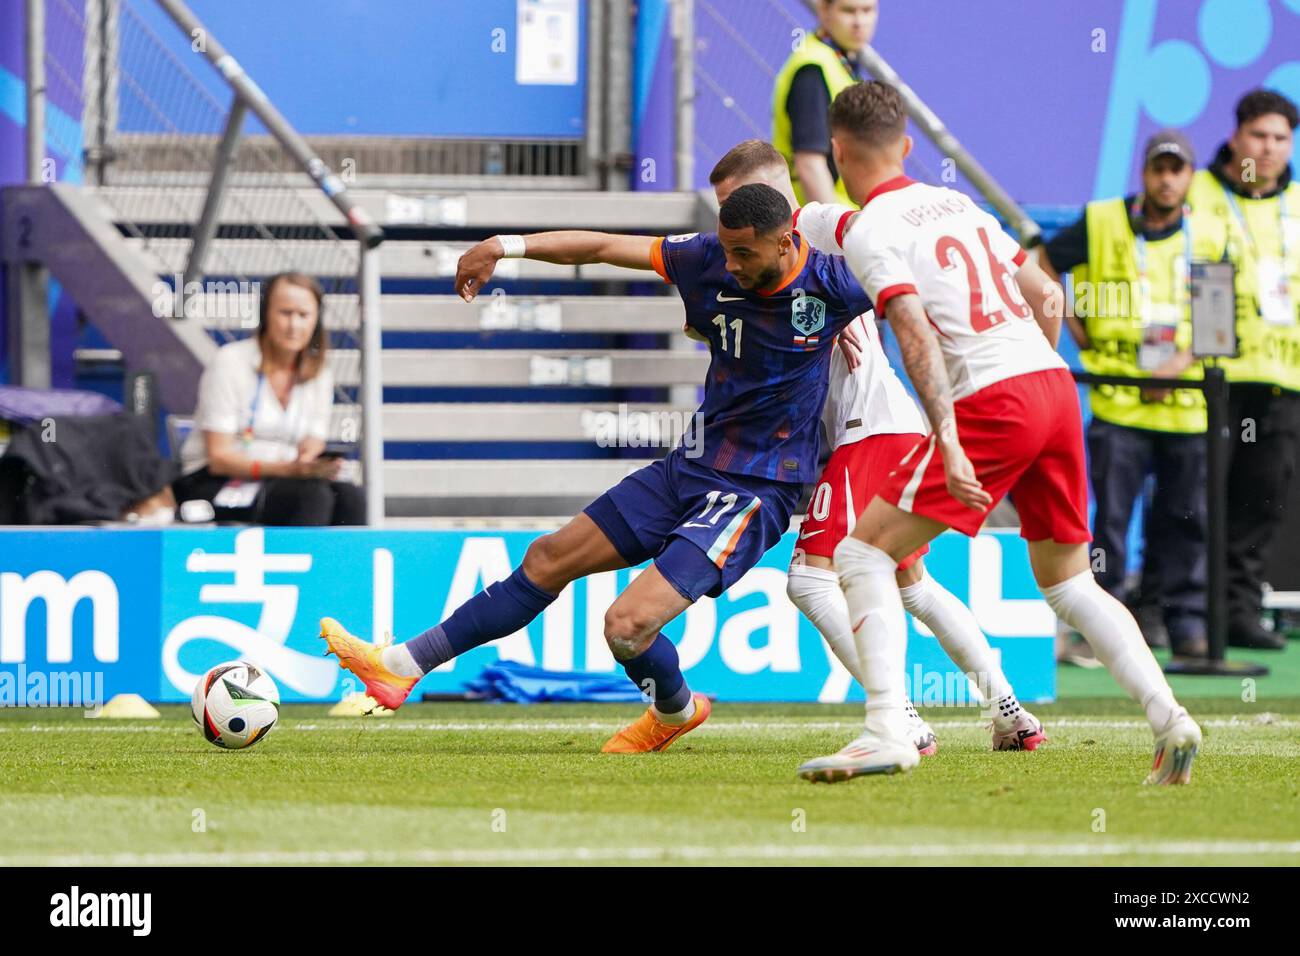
x: 737, y: 327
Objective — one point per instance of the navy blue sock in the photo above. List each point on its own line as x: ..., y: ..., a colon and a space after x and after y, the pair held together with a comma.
x: 657, y: 672
x: 496, y: 611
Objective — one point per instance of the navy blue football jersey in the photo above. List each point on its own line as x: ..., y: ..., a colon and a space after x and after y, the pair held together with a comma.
x: 770, y: 354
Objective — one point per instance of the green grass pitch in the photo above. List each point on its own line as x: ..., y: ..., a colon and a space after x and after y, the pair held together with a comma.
x: 504, y: 784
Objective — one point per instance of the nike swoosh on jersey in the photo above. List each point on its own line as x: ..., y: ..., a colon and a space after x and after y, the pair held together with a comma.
x: 692, y: 524
x: 809, y: 534
x: 730, y: 298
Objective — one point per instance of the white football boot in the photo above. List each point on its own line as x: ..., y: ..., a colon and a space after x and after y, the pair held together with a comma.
x: 866, y: 754
x: 1176, y: 748
x: 1015, y: 728
x: 921, y: 733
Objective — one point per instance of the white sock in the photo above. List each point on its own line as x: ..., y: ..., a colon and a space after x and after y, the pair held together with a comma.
x: 679, y: 718
x: 912, y: 715
x: 1109, y: 628
x: 867, y: 577
x: 958, y: 632
x: 1006, y: 712
x: 399, y: 660
x: 816, y: 592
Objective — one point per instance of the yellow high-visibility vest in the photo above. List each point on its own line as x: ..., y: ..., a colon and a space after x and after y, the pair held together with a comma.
x: 811, y: 51
x: 1259, y: 230
x: 1128, y: 291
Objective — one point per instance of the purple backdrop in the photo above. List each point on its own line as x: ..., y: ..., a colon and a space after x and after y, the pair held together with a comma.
x: 63, y: 145
x: 1019, y: 84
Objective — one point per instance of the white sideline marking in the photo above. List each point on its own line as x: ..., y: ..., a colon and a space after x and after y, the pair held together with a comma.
x: 533, y: 726
x: 771, y: 851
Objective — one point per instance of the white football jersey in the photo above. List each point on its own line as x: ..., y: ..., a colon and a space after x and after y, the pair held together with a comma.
x: 869, y: 400
x: 938, y: 244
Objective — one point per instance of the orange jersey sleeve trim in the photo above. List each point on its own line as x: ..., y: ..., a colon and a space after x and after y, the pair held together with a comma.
x: 657, y: 259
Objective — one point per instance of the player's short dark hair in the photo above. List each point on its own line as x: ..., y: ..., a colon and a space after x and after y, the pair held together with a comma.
x: 745, y: 159
x: 1262, y: 102
x: 756, y: 205
x: 871, y: 112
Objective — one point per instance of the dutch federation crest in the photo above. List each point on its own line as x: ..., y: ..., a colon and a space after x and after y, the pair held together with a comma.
x: 808, y: 314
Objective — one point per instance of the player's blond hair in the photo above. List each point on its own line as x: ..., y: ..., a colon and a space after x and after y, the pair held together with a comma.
x: 745, y: 159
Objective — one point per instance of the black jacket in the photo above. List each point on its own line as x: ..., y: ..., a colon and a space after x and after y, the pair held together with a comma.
x: 70, y: 470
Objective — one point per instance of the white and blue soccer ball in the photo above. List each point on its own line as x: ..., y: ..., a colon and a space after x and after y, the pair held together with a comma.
x: 235, y: 705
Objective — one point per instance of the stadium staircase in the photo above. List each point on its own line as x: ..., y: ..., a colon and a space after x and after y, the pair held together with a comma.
x: 503, y: 407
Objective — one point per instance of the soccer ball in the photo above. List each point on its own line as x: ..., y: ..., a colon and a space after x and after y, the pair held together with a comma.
x: 235, y: 705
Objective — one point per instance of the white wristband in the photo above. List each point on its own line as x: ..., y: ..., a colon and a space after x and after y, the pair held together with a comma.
x: 513, y: 246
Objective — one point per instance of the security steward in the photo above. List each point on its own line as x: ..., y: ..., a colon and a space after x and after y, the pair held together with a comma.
x: 1249, y: 185
x: 1128, y: 261
x: 822, y: 64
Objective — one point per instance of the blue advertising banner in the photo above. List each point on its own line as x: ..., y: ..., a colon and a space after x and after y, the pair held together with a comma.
x: 78, y: 607
x: 153, y: 610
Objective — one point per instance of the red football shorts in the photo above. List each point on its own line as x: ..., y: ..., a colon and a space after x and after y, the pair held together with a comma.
x: 853, y: 476
x: 1024, y: 436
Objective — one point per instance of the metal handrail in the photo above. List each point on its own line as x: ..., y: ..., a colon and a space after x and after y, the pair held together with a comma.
x: 249, y: 97
x: 934, y: 129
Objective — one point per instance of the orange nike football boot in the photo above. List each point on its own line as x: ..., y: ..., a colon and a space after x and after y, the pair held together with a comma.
x: 648, y: 733
x: 366, y: 660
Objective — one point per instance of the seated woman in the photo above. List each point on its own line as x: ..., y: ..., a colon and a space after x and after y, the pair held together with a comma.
x: 262, y: 420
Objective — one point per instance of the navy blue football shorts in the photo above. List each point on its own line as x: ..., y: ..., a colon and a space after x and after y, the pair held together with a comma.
x: 704, y: 528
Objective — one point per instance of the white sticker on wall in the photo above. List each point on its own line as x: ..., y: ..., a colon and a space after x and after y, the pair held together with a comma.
x: 546, y: 43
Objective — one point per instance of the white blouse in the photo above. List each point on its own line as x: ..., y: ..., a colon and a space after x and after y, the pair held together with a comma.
x: 236, y: 399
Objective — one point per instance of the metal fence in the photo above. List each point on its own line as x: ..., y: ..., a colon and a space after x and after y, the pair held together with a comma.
x: 111, y: 66
x: 736, y: 40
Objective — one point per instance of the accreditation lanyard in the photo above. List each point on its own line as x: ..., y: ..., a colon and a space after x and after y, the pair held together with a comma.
x: 850, y: 66
x: 247, y: 434
x: 1245, y: 226
x: 1144, y: 283
x: 1273, y: 287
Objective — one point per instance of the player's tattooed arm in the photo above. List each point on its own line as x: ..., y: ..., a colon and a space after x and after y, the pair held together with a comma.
x: 924, y: 363
x: 566, y: 247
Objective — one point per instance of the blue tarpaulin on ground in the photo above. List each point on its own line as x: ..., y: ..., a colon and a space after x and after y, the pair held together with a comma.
x: 521, y: 684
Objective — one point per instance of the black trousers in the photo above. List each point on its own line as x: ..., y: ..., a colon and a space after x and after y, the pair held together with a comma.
x: 1265, y: 433
x: 1174, y: 562
x: 304, y: 502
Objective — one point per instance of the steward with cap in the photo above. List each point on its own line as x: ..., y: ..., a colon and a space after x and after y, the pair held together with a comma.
x: 1126, y: 265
